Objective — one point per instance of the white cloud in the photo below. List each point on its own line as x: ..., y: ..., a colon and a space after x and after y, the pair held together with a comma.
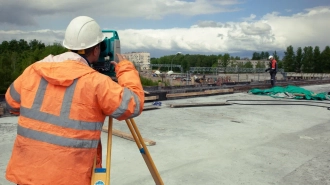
x: 202, y: 24
x: 257, y: 28
x: 46, y: 36
x: 27, y: 12
x: 250, y: 18
x: 303, y: 29
x: 185, y: 39
x: 271, y: 32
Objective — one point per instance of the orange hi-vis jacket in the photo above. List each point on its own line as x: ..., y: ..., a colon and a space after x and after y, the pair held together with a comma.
x: 62, y: 104
x: 273, y: 64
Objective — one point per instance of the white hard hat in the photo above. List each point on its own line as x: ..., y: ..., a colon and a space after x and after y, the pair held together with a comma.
x: 83, y: 32
x: 270, y: 57
x: 157, y: 72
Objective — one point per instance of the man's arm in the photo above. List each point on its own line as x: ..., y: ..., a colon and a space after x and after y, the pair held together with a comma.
x: 125, y: 99
x: 13, y: 97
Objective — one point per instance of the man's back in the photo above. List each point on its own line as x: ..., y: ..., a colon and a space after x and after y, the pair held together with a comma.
x: 62, y: 106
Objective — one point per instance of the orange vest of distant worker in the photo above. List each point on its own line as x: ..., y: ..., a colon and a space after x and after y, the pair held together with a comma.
x: 62, y: 104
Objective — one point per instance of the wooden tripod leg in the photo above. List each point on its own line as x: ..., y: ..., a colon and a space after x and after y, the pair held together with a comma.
x: 102, y: 175
x: 144, y: 151
x: 109, y: 145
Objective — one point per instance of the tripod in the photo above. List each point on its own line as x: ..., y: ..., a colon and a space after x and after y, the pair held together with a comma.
x: 101, y: 176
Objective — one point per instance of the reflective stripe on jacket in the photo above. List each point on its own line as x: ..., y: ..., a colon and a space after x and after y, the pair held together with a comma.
x: 62, y: 104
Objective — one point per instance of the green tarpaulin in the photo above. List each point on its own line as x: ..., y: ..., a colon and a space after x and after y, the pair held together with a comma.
x: 291, y: 91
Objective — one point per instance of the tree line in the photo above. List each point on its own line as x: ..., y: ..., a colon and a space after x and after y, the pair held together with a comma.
x: 186, y: 61
x: 221, y: 60
x: 16, y: 55
x: 306, y: 60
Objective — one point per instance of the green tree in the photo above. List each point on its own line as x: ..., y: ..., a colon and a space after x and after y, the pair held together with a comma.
x: 299, y: 57
x: 35, y: 44
x: 325, y: 57
x: 215, y: 65
x: 275, y: 55
x: 248, y: 65
x: 198, y: 62
x: 23, y: 45
x: 307, y: 60
x: 289, y: 59
x: 13, y: 45
x: 4, y: 47
x: 280, y: 65
x: 15, y: 56
x: 154, y: 61
x: 267, y: 55
x: 260, y: 65
x: 5, y: 71
x: 212, y: 59
x: 262, y: 55
x: 185, y: 64
x: 256, y: 56
x: 317, y: 62
x: 225, y: 60
x: 164, y: 60
x: 240, y: 65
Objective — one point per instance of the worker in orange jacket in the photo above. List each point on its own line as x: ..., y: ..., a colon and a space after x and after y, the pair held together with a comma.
x: 272, y: 70
x: 62, y: 104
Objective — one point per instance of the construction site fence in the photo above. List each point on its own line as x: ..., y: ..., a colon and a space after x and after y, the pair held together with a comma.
x: 229, y: 70
x: 297, y: 76
x: 237, y: 70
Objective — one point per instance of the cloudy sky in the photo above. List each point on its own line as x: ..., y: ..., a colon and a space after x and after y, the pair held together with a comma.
x: 163, y: 27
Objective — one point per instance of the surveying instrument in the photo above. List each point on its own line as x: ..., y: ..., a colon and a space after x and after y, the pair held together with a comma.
x: 101, y: 176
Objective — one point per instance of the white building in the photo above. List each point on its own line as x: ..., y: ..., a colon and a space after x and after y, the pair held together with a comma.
x: 141, y: 59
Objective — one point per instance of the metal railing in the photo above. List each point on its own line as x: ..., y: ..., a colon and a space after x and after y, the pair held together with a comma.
x: 229, y: 70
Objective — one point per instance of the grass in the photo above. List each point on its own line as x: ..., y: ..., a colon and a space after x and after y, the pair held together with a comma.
x: 148, y: 82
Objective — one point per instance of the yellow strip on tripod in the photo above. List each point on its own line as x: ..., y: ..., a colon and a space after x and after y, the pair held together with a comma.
x: 99, y: 176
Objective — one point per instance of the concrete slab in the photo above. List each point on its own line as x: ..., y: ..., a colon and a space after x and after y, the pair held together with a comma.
x: 235, y: 144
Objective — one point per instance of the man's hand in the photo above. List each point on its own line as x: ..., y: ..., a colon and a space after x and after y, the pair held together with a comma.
x: 120, y: 58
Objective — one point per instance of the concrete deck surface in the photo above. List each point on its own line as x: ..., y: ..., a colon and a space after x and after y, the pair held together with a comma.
x: 233, y: 144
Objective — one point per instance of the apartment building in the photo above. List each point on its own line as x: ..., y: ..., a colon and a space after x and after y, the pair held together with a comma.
x: 141, y: 59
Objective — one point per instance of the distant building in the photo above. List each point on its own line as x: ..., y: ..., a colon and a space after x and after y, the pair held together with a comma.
x: 139, y: 58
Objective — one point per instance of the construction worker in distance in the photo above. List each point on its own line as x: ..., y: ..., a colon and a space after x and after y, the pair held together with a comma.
x: 272, y: 69
x: 62, y: 104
